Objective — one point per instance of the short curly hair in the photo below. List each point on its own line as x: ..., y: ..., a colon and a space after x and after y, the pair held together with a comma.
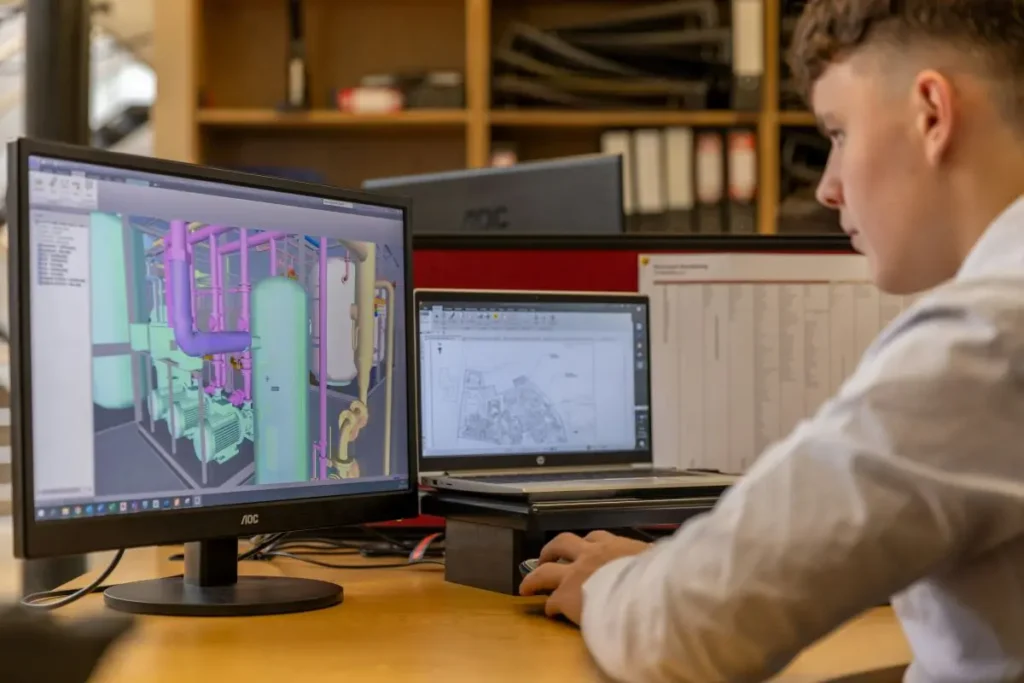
x: 829, y: 30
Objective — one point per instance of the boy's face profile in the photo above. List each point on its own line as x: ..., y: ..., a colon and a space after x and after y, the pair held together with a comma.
x: 923, y: 102
x: 890, y: 131
x: 881, y: 176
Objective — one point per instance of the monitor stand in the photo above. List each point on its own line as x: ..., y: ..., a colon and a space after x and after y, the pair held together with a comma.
x: 212, y: 587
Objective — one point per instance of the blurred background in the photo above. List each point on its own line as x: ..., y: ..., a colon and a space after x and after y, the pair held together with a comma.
x: 694, y: 94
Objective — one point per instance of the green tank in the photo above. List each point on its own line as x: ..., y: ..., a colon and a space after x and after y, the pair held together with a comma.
x: 108, y: 283
x: 280, y: 382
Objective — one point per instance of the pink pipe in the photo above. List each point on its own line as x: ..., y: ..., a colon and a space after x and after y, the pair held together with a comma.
x: 193, y: 237
x: 216, y: 319
x: 322, y: 351
x: 245, y: 286
x: 254, y: 241
x: 207, y: 232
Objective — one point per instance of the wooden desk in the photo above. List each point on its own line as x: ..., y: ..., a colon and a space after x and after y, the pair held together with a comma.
x: 405, y: 625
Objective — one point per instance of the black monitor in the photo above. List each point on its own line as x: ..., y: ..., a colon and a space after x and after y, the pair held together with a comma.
x: 199, y: 355
x: 579, y: 195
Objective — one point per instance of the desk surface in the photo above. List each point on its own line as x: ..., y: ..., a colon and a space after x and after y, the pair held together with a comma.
x: 405, y: 624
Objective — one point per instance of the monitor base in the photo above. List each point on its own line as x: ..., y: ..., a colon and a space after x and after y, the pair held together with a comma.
x: 211, y: 587
x: 249, y: 596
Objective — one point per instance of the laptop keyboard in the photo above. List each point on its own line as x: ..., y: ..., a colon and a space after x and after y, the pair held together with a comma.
x: 574, y: 476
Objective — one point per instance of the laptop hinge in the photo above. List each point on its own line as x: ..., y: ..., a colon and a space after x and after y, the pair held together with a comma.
x: 537, y: 470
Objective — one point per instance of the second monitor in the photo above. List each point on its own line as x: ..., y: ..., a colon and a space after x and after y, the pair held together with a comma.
x: 579, y: 195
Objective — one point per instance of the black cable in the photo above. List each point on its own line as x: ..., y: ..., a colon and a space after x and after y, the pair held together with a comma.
x: 326, y: 546
x: 329, y: 565
x: 299, y: 549
x: 46, y: 599
x: 68, y: 596
x: 261, y: 545
x: 263, y: 549
x: 386, y: 538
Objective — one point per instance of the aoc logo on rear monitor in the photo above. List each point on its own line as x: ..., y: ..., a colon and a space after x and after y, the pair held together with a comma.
x: 248, y: 520
x: 487, y: 218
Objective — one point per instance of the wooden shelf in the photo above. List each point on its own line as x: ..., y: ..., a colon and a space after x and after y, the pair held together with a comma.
x: 327, y: 118
x: 232, y: 55
x: 548, y: 118
x: 797, y: 118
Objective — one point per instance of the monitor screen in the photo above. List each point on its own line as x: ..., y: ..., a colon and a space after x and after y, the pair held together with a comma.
x: 198, y: 344
x: 504, y: 377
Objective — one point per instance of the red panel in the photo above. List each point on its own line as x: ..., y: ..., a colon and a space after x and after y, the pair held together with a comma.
x: 608, y: 270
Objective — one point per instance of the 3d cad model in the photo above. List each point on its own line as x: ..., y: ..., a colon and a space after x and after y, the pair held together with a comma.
x: 253, y: 354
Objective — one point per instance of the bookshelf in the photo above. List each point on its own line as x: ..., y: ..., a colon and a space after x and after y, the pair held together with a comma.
x: 221, y: 70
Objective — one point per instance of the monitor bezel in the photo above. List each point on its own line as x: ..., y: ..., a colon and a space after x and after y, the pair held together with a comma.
x: 521, y: 168
x: 33, y: 539
x: 421, y: 186
x: 487, y: 462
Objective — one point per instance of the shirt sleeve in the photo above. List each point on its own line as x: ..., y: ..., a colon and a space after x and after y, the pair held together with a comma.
x: 914, y: 464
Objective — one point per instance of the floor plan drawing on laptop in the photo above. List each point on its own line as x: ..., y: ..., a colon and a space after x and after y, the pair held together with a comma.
x: 517, y: 414
x: 534, y: 393
x: 514, y: 378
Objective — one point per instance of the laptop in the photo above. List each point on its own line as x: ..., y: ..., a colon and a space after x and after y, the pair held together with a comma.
x: 544, y: 395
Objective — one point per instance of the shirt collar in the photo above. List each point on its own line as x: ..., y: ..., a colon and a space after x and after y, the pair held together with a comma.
x: 1001, y: 246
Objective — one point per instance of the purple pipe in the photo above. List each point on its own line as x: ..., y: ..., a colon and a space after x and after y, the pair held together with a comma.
x: 273, y: 257
x: 322, y: 351
x: 191, y: 342
x: 255, y: 240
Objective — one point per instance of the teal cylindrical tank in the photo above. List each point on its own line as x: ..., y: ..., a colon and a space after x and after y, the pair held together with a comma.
x: 280, y: 381
x: 108, y: 282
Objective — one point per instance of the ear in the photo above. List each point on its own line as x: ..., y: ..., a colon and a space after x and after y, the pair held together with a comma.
x: 934, y: 113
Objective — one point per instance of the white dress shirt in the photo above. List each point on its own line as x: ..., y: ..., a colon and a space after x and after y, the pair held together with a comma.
x: 908, y: 483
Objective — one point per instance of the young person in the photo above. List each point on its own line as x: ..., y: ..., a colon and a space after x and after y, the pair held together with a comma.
x: 910, y: 481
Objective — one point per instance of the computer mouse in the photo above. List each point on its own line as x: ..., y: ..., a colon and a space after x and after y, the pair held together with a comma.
x: 527, y: 566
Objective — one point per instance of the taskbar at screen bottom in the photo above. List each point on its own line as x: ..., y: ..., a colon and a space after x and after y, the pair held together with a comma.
x: 211, y: 498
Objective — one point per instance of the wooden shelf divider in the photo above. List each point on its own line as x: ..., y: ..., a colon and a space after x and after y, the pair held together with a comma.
x: 318, y: 118
x: 554, y: 118
x: 797, y: 118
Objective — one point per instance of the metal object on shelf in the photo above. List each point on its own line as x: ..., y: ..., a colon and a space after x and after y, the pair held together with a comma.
x: 674, y: 55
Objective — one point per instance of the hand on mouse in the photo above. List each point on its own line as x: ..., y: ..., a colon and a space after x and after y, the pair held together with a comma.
x: 567, y: 562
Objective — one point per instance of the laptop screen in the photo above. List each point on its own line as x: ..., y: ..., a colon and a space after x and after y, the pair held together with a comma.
x: 515, y: 374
